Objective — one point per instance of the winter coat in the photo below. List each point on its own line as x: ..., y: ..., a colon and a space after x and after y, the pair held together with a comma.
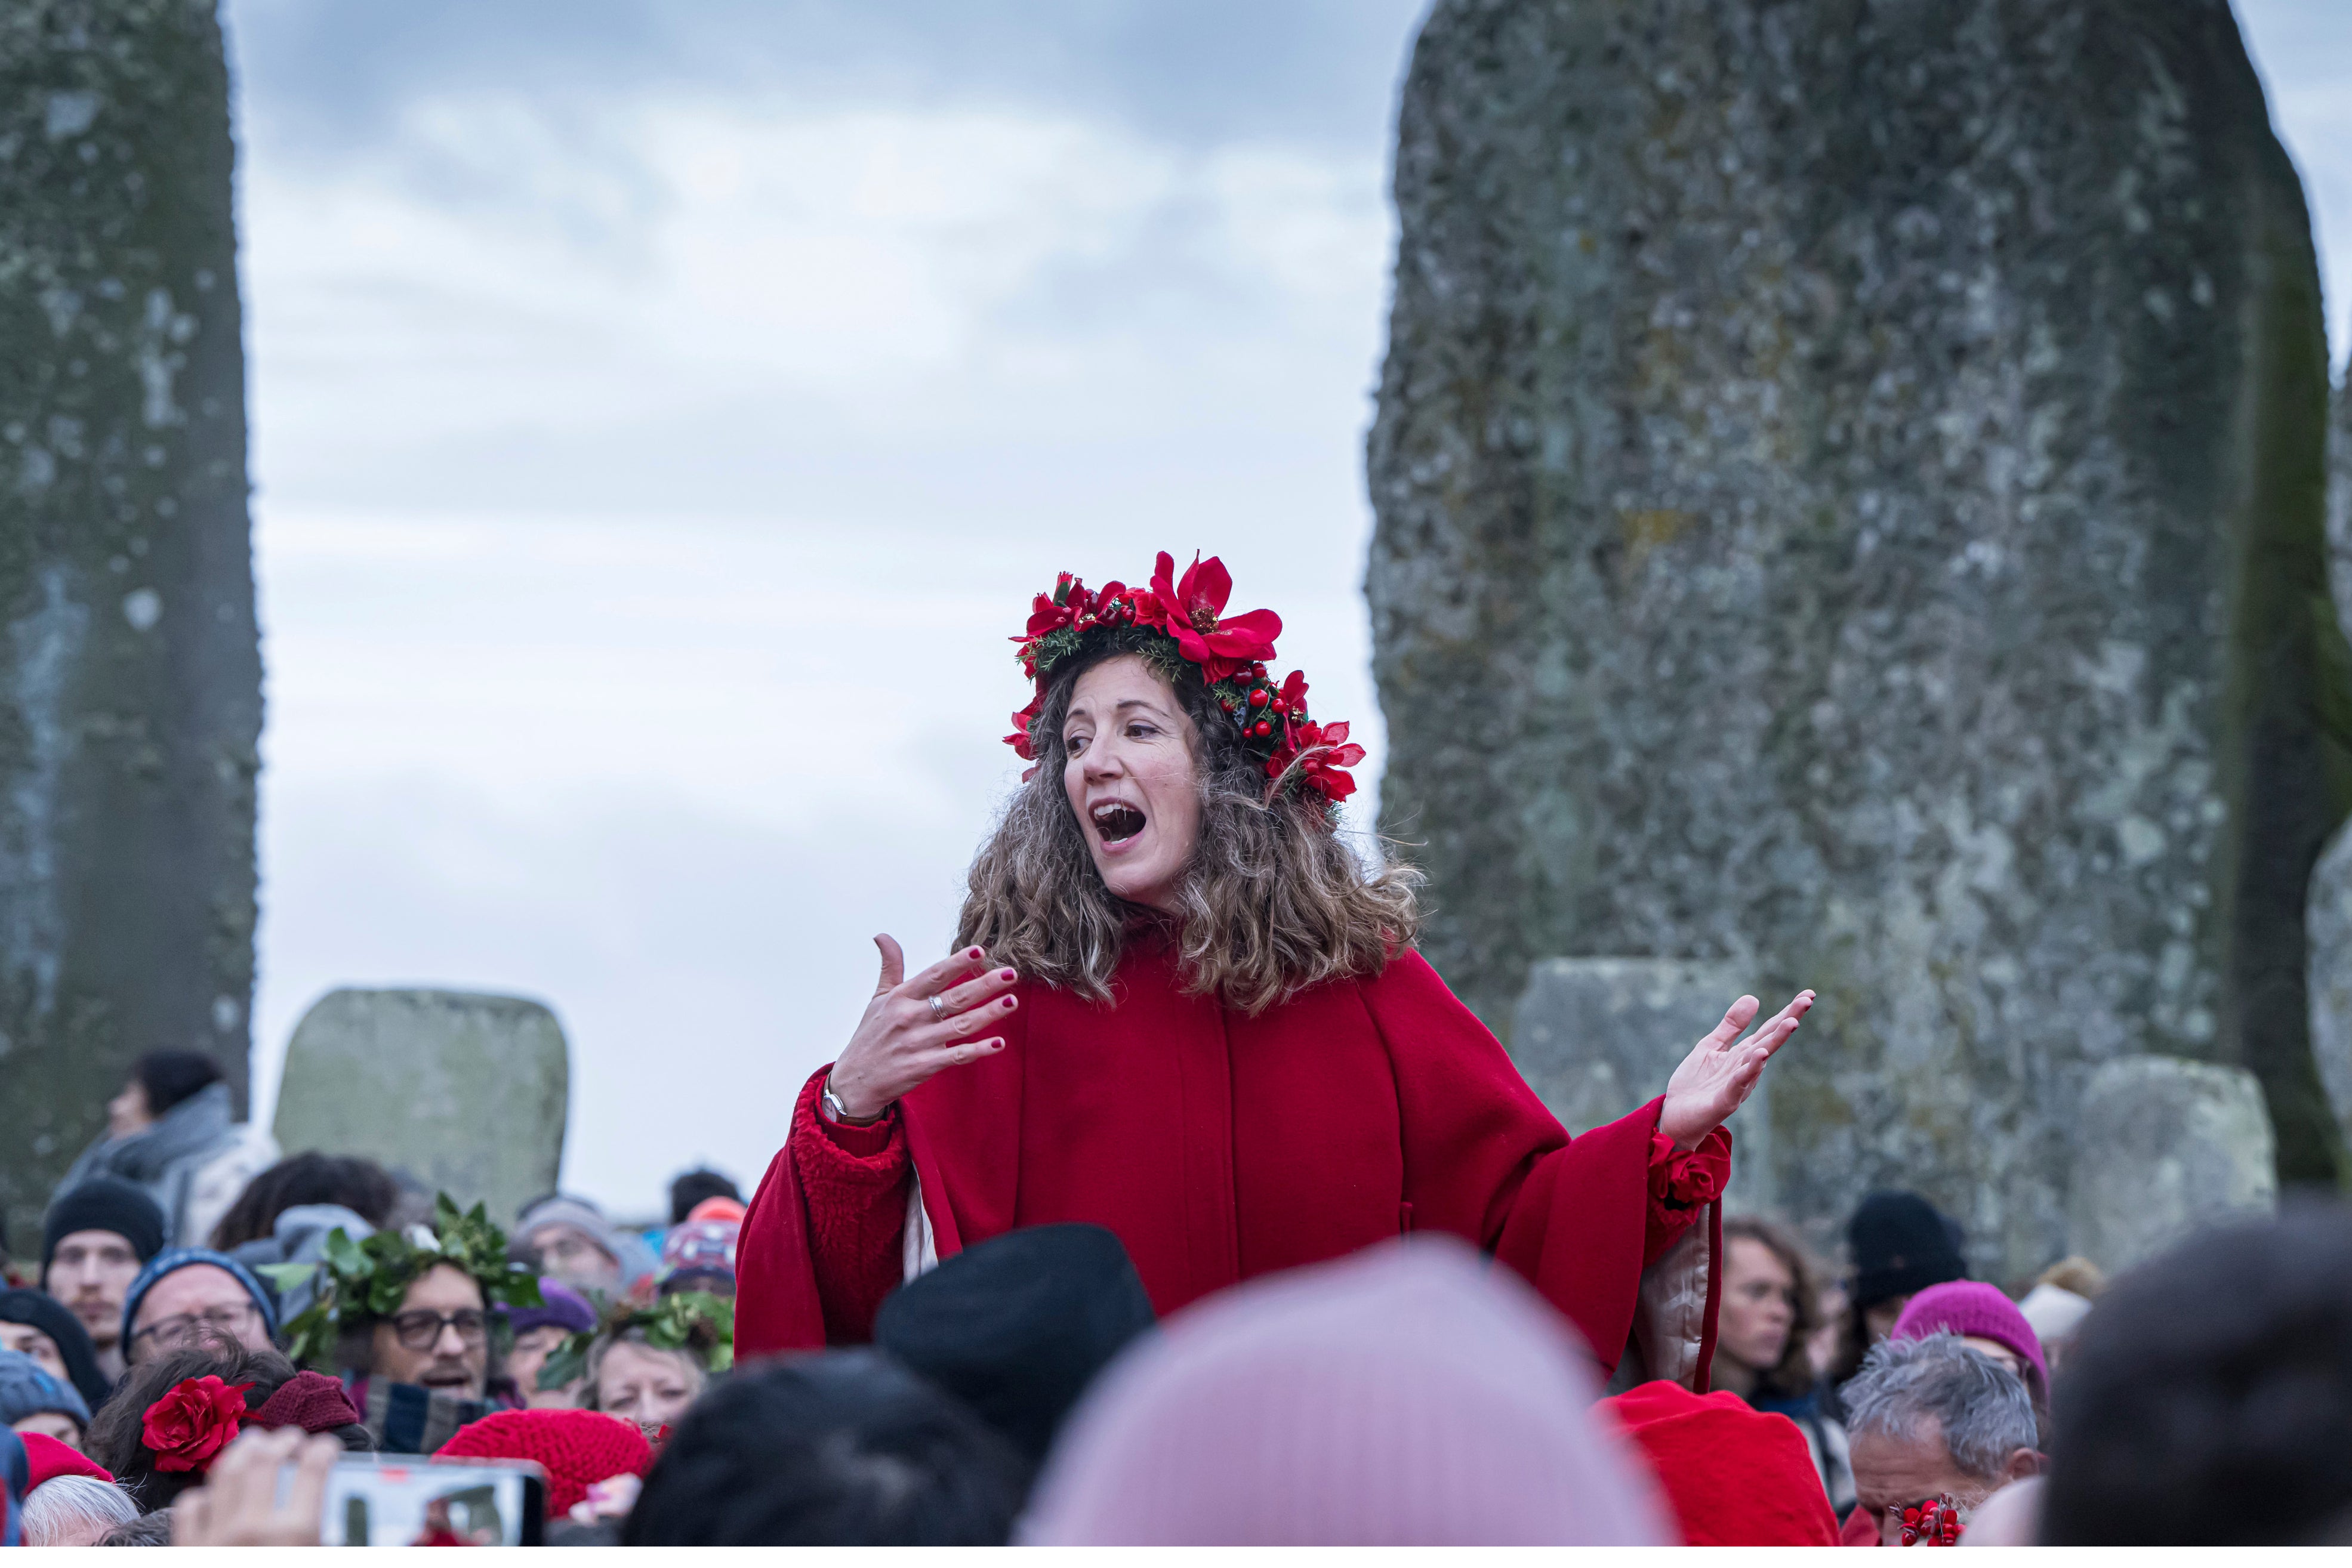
x: 193, y: 1161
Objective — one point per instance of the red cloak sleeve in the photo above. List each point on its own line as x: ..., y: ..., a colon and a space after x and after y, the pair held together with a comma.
x: 1579, y: 1219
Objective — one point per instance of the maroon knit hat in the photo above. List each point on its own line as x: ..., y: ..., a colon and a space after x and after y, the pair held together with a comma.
x: 1965, y: 1307
x: 577, y: 1449
x: 311, y: 1400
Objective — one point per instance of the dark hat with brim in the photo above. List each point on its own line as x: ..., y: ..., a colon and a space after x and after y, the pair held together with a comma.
x: 1019, y: 1326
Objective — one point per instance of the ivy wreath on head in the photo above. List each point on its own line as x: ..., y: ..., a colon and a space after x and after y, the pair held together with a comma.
x: 369, y: 1277
x: 696, y: 1321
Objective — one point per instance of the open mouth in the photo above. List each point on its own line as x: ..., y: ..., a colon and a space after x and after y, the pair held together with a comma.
x: 1115, y: 821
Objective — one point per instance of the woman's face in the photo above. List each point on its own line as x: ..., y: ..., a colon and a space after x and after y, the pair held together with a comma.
x: 652, y: 1387
x: 54, y: 1424
x: 1129, y: 775
x: 532, y: 1349
x: 1759, y: 1305
x: 26, y: 1339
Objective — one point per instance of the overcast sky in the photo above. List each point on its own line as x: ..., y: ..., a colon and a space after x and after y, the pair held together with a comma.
x: 662, y: 413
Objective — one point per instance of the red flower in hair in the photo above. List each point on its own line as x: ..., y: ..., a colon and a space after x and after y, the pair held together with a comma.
x: 1323, y: 753
x: 1190, y: 612
x: 195, y: 1420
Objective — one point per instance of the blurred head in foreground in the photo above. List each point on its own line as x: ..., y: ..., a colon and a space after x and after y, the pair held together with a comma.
x: 1409, y: 1395
x: 2208, y: 1399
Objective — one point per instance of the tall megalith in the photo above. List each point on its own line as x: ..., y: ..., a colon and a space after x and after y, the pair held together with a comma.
x: 130, y: 666
x: 1849, y: 480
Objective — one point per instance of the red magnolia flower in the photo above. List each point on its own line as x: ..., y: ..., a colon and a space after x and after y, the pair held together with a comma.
x: 195, y: 1420
x: 1190, y: 612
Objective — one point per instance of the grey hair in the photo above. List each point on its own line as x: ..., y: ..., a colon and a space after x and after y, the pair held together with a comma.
x: 75, y: 1510
x: 1980, y: 1406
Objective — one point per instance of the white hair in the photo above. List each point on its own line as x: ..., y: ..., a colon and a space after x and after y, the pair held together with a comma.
x: 75, y: 1510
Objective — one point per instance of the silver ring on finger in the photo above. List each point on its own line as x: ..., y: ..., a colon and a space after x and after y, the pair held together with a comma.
x: 938, y: 1009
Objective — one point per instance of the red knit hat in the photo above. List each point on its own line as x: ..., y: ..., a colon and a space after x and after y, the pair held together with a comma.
x: 48, y: 1460
x: 577, y: 1449
x: 311, y: 1400
x: 1736, y: 1477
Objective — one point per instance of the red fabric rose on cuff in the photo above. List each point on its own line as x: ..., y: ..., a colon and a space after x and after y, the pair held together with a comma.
x: 1690, y: 1178
x: 192, y: 1423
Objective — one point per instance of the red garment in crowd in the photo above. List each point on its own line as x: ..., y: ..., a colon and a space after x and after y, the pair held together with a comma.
x: 1735, y: 1476
x: 1220, y: 1147
x: 1861, y: 1529
x: 47, y: 1459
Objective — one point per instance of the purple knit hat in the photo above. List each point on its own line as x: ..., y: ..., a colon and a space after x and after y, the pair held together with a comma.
x: 560, y: 1306
x: 1967, y: 1307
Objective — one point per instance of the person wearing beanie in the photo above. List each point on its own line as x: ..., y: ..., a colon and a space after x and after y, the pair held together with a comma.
x: 172, y: 1133
x: 571, y: 1239
x: 700, y: 1255
x: 1411, y: 1395
x: 33, y: 1401
x: 37, y: 1325
x: 48, y: 1460
x: 95, y: 1238
x: 690, y: 1191
x: 1986, y: 1320
x: 562, y: 1312
x: 1733, y: 1475
x: 183, y: 1293
x: 577, y: 1449
x: 1019, y: 1326
x: 1899, y: 1244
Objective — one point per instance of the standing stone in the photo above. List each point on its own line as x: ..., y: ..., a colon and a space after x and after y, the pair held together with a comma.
x: 1597, y: 1039
x: 1849, y: 482
x: 130, y: 666
x: 2329, y: 912
x: 2170, y: 1147
x: 465, y: 1091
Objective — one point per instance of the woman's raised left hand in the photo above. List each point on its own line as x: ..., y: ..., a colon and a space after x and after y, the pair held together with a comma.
x: 1720, y: 1072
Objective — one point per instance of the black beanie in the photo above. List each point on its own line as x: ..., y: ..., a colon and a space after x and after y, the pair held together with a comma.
x: 104, y: 1202
x: 1901, y: 1245
x: 39, y: 1310
x: 1018, y: 1327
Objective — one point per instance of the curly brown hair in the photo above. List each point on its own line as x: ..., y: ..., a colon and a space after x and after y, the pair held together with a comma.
x: 1272, y: 902
x: 1792, y: 1376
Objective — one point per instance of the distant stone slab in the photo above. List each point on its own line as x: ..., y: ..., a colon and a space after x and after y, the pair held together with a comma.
x: 466, y: 1092
x: 1598, y: 1037
x: 2167, y: 1147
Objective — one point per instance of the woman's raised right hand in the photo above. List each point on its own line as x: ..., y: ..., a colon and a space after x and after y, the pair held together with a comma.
x: 905, y: 1038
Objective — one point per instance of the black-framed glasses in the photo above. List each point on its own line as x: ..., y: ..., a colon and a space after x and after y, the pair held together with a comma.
x: 418, y: 1329
x: 171, y: 1333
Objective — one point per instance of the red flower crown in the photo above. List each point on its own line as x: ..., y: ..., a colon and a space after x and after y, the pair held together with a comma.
x: 1184, y: 622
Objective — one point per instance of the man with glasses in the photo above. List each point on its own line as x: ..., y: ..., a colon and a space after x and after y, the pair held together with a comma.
x: 190, y: 1291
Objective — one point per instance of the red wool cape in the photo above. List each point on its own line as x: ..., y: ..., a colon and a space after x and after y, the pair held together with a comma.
x: 1220, y: 1147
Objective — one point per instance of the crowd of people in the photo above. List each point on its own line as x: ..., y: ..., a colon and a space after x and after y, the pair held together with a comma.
x: 1182, y: 1202
x: 157, y: 1380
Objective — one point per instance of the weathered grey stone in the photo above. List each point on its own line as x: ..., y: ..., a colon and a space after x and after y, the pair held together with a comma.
x: 1597, y: 1037
x: 1849, y: 482
x: 129, y: 668
x: 466, y: 1092
x: 2329, y: 920
x: 2170, y: 1146
x: 2339, y: 496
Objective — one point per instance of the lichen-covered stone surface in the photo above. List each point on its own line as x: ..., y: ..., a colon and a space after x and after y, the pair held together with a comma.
x: 129, y: 668
x: 1849, y: 479
x: 1598, y: 1037
x: 2170, y: 1147
x: 467, y: 1092
x: 2330, y: 918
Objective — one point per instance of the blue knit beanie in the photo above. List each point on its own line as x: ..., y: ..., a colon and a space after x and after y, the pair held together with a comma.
x: 180, y: 1257
x: 28, y: 1389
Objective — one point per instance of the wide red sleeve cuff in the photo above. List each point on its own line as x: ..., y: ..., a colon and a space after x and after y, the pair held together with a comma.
x: 854, y: 1180
x: 1682, y: 1182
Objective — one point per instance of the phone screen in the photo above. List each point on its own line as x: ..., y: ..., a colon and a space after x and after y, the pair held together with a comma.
x: 401, y: 1500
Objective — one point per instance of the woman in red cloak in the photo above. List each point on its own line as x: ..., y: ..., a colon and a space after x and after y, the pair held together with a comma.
x: 1179, y: 1008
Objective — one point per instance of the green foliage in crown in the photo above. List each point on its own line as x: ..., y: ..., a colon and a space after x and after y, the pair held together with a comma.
x: 369, y: 1277
x: 696, y: 1321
